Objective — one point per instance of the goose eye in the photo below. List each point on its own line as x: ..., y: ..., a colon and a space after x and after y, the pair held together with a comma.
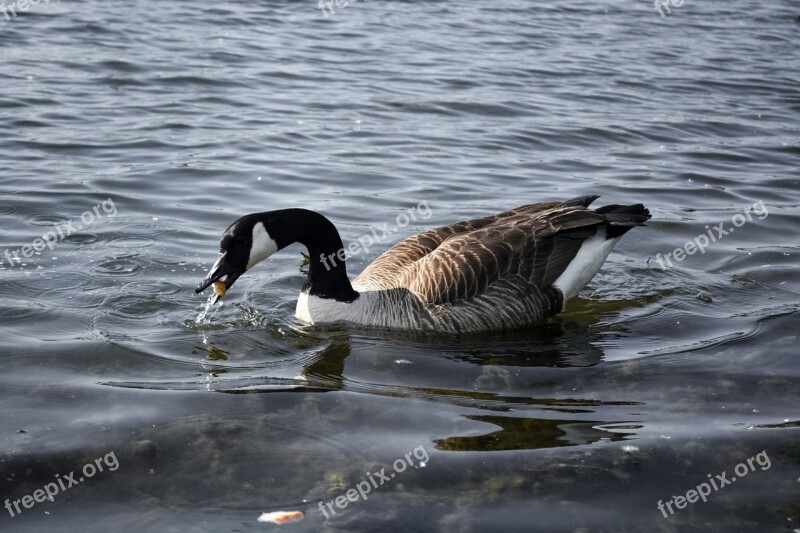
x: 241, y: 240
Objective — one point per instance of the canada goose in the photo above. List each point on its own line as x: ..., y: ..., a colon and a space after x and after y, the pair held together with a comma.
x: 497, y: 272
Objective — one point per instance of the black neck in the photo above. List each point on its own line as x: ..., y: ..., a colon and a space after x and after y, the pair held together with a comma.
x: 327, y: 276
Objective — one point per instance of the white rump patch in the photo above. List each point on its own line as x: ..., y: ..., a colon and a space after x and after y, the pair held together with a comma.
x: 263, y: 245
x: 587, y: 262
x: 302, y: 312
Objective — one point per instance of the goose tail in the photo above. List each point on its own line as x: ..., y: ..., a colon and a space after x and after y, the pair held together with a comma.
x: 617, y: 220
x: 621, y: 218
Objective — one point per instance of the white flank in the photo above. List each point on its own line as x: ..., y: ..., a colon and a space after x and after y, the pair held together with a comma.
x: 368, y: 309
x: 263, y: 245
x: 587, y: 262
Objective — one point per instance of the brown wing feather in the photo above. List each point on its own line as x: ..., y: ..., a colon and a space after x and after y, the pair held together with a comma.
x: 532, y: 244
x: 383, y: 272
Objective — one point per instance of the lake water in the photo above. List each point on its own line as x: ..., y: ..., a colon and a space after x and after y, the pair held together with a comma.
x: 160, y: 123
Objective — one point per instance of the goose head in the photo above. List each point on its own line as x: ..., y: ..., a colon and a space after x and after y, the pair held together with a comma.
x: 245, y: 243
x: 256, y: 236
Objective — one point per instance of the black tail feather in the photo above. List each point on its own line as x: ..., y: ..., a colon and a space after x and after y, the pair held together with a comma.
x: 621, y: 218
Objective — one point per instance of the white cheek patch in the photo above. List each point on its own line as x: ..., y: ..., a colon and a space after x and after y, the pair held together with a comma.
x: 263, y: 245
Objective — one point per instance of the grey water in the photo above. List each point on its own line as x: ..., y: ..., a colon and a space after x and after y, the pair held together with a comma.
x: 133, y: 133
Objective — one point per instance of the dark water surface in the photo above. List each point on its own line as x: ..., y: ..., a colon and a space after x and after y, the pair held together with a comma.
x: 182, y: 116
